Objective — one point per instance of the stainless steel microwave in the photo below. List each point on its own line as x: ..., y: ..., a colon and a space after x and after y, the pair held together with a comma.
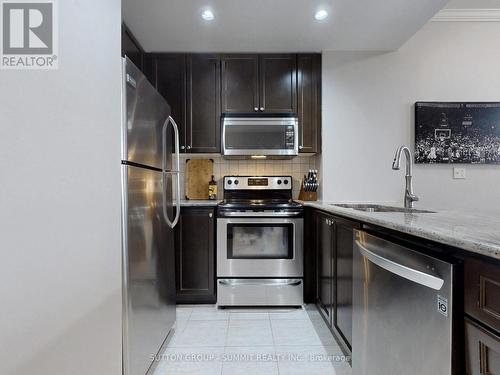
x: 264, y: 136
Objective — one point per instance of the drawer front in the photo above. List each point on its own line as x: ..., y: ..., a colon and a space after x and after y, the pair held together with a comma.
x: 260, y: 292
x: 482, y: 351
x: 482, y: 292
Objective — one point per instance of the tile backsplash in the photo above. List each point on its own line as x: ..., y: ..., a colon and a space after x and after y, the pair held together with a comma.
x: 295, y: 167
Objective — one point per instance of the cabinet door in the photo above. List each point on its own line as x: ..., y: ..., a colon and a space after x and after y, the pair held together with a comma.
x: 310, y: 254
x: 324, y: 241
x: 169, y: 72
x: 278, y: 83
x: 309, y: 102
x: 482, y: 291
x: 203, y: 104
x: 482, y: 351
x: 343, y: 262
x: 240, y: 85
x: 195, y: 257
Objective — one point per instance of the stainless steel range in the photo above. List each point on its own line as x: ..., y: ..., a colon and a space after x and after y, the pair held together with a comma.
x: 259, y: 243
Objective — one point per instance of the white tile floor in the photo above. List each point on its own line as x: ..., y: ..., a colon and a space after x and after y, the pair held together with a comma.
x: 210, y: 341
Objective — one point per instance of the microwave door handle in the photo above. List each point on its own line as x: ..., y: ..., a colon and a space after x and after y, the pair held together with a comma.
x: 174, y: 173
x: 406, y: 272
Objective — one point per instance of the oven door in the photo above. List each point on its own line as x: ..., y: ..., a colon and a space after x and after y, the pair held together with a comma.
x: 260, y: 247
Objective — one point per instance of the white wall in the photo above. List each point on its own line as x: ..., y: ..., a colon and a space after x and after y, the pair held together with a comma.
x: 60, y: 203
x: 368, y: 109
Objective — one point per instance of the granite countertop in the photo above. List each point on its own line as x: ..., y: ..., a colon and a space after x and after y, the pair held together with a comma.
x: 477, y: 233
x: 199, y: 203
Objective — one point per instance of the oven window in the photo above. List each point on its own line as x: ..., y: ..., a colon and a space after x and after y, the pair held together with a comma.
x: 258, y: 241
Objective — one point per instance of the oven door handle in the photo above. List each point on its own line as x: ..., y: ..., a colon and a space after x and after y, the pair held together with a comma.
x: 262, y: 214
x: 231, y: 283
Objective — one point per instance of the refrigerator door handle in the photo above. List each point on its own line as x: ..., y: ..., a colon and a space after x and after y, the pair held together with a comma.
x: 174, y: 172
x: 411, y: 274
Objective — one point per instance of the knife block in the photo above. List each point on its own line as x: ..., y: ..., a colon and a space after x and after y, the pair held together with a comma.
x: 307, y: 195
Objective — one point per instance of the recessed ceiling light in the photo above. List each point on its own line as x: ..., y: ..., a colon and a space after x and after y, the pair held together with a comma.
x: 320, y: 15
x: 207, y: 15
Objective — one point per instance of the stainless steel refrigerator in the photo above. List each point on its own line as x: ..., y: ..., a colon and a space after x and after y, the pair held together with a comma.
x: 148, y: 219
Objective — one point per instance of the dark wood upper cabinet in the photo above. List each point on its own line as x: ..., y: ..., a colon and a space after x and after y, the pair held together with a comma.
x: 195, y: 256
x: 309, y: 102
x: 169, y: 72
x: 240, y: 83
x: 278, y: 83
x: 200, y: 87
x: 203, y: 104
x: 131, y: 47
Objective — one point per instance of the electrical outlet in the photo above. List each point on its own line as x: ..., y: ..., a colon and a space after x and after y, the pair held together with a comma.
x: 459, y: 173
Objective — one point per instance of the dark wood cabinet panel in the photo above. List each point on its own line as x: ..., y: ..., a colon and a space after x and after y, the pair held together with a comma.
x: 310, y: 253
x: 334, y: 273
x: 131, y: 47
x: 203, y: 104
x: 309, y: 102
x: 278, y: 83
x: 482, y: 350
x: 482, y: 291
x: 195, y: 256
x: 240, y: 85
x: 200, y: 87
x: 325, y: 272
x: 344, y: 231
x: 169, y: 72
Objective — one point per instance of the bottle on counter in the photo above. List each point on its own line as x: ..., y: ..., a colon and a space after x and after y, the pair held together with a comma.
x: 212, y: 189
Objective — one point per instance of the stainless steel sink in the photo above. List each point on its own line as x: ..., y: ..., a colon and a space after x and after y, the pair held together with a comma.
x: 380, y: 208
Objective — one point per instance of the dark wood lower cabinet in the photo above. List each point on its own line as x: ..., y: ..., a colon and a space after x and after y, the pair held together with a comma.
x: 482, y: 291
x: 325, y: 264
x: 195, y: 256
x: 344, y: 257
x: 334, y: 246
x: 482, y: 350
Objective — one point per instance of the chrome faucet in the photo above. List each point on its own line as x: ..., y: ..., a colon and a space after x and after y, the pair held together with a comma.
x: 410, y: 197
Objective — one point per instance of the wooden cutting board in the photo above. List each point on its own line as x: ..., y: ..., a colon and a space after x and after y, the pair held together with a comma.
x: 198, y: 174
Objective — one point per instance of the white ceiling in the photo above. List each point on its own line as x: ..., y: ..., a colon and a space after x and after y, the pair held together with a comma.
x: 276, y: 25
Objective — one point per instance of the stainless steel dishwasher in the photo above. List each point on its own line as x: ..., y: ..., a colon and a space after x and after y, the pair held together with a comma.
x: 402, y: 310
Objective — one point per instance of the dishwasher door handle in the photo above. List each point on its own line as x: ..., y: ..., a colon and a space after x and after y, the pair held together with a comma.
x: 409, y: 273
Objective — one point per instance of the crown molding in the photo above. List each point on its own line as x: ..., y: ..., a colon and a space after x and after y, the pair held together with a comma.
x: 467, y: 15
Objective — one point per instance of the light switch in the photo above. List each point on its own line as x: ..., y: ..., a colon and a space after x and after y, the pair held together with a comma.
x: 459, y: 173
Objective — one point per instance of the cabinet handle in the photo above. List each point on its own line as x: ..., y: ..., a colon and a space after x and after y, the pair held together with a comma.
x: 210, y: 214
x: 301, y: 147
x: 182, y: 147
x: 188, y: 147
x: 262, y: 108
x: 256, y: 109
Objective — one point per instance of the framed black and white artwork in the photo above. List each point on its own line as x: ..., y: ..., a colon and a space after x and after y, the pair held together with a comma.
x: 457, y: 132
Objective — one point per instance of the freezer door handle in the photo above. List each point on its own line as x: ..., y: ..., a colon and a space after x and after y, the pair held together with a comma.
x: 411, y: 274
x: 174, y: 172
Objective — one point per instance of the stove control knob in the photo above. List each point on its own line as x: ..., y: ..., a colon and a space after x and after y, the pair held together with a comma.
x: 236, y: 182
x: 279, y: 182
x: 229, y: 182
x: 286, y: 182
